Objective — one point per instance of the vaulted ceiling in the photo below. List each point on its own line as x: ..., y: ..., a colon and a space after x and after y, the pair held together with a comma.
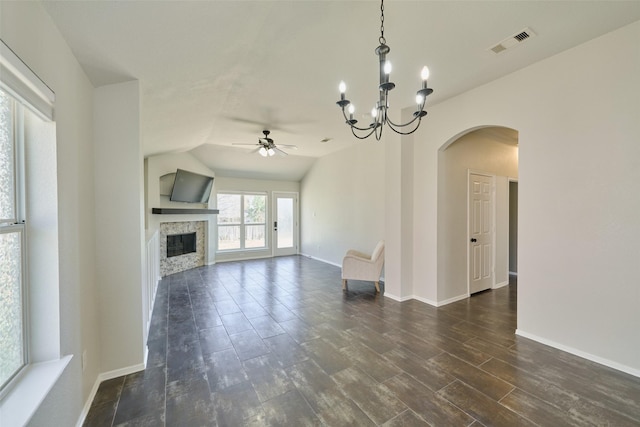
x: 215, y: 73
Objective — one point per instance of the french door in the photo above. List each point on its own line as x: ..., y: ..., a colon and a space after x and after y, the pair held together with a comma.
x: 285, y: 224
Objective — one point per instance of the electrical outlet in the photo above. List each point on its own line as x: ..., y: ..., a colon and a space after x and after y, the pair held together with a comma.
x: 84, y: 360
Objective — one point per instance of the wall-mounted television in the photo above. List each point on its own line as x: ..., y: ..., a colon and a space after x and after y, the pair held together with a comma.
x: 191, y: 187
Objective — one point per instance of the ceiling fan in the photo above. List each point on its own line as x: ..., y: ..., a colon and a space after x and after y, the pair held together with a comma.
x: 266, y: 146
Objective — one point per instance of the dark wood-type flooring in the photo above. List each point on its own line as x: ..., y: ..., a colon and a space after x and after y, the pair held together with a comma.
x: 276, y: 342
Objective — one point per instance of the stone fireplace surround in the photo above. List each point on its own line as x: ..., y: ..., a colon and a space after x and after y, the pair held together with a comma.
x: 183, y: 262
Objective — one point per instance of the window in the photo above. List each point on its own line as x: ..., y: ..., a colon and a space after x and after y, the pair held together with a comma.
x: 12, y: 246
x: 242, y: 221
x: 30, y: 353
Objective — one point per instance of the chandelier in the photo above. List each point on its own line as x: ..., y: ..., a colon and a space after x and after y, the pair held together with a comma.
x: 379, y: 112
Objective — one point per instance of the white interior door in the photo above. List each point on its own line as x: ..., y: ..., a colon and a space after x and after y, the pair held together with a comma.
x: 285, y: 224
x: 481, y: 232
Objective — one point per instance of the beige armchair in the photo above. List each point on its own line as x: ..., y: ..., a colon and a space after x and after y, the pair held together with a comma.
x: 359, y: 266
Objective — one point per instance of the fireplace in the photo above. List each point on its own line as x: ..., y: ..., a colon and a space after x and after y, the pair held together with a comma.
x: 180, y: 244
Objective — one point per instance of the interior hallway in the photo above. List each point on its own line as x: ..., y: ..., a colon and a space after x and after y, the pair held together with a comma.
x: 276, y: 342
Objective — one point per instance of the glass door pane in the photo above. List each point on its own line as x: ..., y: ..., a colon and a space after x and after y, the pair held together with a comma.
x: 284, y: 238
x: 285, y: 224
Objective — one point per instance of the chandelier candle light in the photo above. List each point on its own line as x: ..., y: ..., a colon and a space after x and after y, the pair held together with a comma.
x: 379, y: 112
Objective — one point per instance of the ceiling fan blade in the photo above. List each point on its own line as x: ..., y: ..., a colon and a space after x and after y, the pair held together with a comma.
x: 255, y: 151
x: 291, y: 147
x: 268, y: 123
x: 279, y: 151
x: 246, y: 121
x: 236, y: 143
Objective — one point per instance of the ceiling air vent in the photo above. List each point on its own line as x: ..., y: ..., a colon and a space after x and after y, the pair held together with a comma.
x: 513, y: 41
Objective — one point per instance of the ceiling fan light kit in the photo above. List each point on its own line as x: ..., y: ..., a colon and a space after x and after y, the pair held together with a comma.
x: 379, y: 112
x: 264, y: 153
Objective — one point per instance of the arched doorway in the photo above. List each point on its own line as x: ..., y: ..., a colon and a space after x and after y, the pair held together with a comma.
x: 492, y: 152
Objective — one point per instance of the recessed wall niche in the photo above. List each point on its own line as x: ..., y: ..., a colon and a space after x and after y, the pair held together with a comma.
x: 166, y: 184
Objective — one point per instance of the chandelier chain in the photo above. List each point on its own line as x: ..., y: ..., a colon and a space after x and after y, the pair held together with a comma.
x: 381, y: 39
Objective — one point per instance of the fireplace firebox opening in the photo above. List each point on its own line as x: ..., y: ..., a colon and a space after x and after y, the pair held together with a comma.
x: 180, y: 244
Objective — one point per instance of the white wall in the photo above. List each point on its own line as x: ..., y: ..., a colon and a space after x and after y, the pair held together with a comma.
x: 579, y: 162
x: 260, y: 185
x: 343, y: 203
x: 42, y: 238
x: 120, y: 232
x: 395, y: 246
x: 513, y: 227
x: 28, y: 30
x: 583, y: 202
x: 502, y: 232
x: 226, y: 183
x: 157, y: 166
x: 402, y: 285
x: 478, y: 153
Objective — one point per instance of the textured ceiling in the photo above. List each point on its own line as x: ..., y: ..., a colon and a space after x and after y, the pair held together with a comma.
x: 214, y: 73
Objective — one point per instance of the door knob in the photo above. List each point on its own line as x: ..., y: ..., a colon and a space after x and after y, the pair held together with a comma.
x: 473, y: 240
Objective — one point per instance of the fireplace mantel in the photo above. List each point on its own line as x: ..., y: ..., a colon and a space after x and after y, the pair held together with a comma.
x: 177, y: 211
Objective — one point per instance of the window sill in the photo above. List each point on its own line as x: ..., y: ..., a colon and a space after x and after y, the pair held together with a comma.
x: 17, y: 407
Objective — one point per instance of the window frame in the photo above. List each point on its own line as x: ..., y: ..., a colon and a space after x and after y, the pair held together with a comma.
x: 243, y: 224
x: 18, y: 224
x: 13, y: 137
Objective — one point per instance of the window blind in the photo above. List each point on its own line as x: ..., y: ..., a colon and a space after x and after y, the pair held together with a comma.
x: 19, y: 80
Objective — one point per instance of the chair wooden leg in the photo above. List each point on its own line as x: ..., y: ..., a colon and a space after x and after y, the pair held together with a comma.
x: 344, y: 284
x: 377, y: 287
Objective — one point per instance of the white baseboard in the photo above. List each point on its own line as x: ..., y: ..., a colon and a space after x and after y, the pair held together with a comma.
x: 451, y: 300
x: 606, y: 362
x: 120, y: 372
x: 500, y: 285
x: 425, y: 300
x: 104, y: 377
x: 397, y: 298
x: 87, y: 404
x: 321, y: 260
